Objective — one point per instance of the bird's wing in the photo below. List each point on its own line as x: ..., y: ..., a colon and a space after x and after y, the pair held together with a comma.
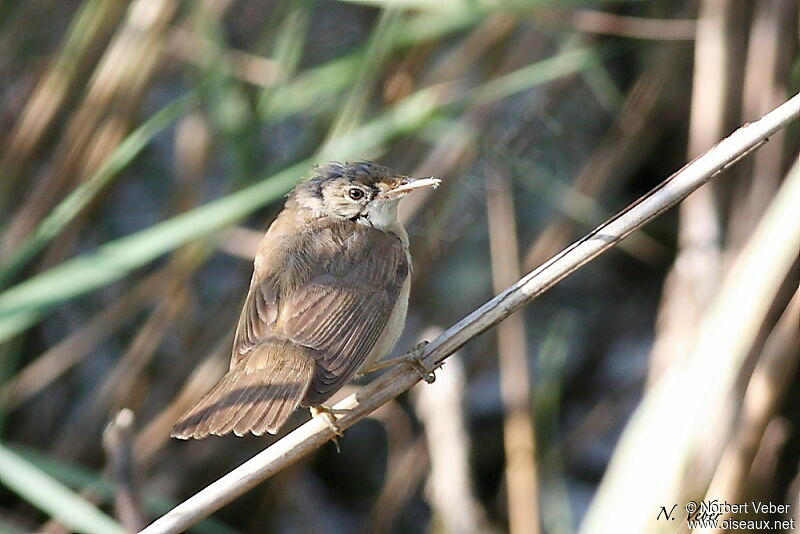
x: 312, y: 315
x: 343, y: 308
x: 258, y: 318
x: 268, y: 375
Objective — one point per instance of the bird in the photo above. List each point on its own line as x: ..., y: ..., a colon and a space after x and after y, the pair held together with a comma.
x: 327, y: 299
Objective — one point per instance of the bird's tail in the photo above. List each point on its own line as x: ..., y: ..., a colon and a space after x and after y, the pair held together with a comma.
x: 257, y: 395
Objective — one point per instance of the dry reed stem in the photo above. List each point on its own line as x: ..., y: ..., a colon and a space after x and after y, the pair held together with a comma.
x: 519, y: 439
x: 766, y: 77
x: 767, y: 387
x: 587, y: 20
x: 316, y: 432
x: 449, y: 489
x: 117, y: 443
x: 695, y: 273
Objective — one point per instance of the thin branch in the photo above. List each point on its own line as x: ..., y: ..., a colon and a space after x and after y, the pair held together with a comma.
x: 314, y: 433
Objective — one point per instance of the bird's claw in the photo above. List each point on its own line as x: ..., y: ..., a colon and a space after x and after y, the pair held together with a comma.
x: 414, y: 358
x: 330, y: 418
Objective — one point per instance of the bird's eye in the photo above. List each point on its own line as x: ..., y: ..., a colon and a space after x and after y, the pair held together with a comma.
x: 356, y: 193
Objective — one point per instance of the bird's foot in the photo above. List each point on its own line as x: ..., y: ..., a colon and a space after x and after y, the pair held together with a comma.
x: 413, y: 358
x: 330, y: 418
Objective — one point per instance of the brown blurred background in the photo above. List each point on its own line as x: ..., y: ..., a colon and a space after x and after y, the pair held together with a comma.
x: 147, y: 144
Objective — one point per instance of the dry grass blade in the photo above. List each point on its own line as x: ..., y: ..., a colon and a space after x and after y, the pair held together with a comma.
x: 73, y: 204
x: 61, y: 357
x: 311, y: 435
x: 100, y: 122
x: 89, y: 28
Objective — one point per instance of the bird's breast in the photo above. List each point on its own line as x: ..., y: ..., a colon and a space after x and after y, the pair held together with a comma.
x: 394, y: 327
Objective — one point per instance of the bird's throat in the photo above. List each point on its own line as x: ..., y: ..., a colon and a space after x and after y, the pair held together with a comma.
x: 381, y: 215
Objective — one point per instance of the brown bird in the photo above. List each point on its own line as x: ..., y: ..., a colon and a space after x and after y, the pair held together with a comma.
x: 328, y: 297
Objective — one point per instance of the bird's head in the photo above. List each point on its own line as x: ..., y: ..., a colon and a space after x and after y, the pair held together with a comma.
x: 363, y: 192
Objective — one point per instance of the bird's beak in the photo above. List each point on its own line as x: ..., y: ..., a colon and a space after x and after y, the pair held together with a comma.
x: 410, y: 184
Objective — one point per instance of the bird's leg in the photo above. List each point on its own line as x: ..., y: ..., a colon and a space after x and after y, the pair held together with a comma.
x: 413, y: 358
x: 330, y: 418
